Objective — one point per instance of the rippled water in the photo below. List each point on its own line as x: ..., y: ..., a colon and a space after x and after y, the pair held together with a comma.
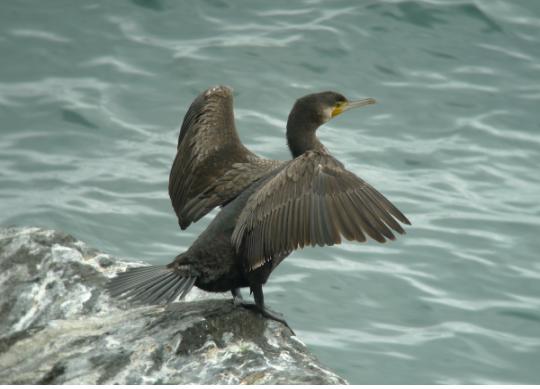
x: 92, y: 94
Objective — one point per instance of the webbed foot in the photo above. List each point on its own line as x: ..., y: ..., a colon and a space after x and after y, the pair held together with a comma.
x: 268, y: 314
x: 259, y: 306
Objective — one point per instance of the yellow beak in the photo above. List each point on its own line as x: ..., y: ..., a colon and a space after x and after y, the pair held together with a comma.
x: 345, y: 106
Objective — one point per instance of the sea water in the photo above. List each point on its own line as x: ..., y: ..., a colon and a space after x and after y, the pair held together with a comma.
x: 92, y: 94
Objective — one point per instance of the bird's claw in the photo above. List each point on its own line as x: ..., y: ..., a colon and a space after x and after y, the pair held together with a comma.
x: 268, y: 314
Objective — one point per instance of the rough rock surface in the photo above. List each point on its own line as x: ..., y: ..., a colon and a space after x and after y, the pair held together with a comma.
x: 58, y: 325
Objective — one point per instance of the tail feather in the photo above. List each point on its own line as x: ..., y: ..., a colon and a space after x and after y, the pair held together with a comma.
x: 127, y: 281
x: 150, y: 285
x: 165, y: 287
x: 189, y: 284
x: 185, y: 287
x: 175, y: 290
x: 130, y: 280
x: 152, y: 293
x: 147, y: 288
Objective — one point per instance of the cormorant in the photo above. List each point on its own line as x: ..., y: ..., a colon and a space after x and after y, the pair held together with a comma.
x: 269, y: 208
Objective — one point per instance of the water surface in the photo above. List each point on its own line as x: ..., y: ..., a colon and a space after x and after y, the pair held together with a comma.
x: 92, y: 94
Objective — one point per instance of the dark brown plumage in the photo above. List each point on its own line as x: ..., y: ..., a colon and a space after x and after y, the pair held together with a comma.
x: 211, y: 166
x: 269, y: 208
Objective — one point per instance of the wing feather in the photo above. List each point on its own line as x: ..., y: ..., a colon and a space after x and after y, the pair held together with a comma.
x: 211, y: 166
x: 313, y: 200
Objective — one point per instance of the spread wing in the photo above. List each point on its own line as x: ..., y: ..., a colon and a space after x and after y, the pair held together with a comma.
x: 211, y: 166
x: 313, y: 200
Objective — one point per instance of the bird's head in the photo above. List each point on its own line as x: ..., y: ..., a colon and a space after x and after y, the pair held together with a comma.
x: 318, y: 108
x: 310, y: 112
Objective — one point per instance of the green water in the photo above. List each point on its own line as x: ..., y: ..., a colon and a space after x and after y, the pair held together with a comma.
x: 92, y: 94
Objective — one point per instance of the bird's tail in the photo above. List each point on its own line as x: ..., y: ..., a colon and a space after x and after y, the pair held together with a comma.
x: 150, y: 284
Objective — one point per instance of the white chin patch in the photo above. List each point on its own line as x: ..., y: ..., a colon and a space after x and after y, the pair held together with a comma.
x: 327, y: 114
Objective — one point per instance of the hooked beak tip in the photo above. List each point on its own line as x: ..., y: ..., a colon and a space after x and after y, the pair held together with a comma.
x: 360, y: 103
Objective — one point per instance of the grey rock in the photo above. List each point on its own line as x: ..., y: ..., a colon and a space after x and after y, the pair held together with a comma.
x: 59, y: 326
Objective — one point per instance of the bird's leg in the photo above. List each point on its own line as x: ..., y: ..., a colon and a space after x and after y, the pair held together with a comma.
x: 237, y: 296
x: 259, y: 306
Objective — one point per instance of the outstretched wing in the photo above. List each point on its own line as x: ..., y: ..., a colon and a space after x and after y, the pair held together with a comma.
x: 313, y: 200
x: 211, y: 166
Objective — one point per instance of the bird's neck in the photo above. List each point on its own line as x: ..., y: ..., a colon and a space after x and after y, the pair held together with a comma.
x: 301, y: 137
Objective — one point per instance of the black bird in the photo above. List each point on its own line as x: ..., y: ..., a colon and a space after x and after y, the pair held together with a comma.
x: 269, y: 208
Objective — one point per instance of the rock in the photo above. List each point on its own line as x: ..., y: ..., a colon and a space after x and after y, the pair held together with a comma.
x: 59, y: 326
